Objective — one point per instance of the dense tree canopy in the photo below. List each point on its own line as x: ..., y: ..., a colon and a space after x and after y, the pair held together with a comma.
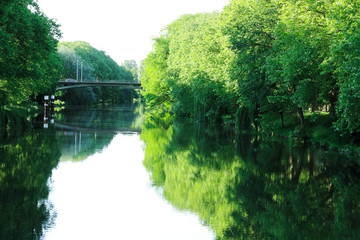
x: 250, y: 26
x: 344, y: 61
x: 83, y: 62
x: 188, y: 68
x: 132, y: 66
x: 264, y: 59
x: 154, y: 77
x: 29, y: 63
x: 74, y: 66
x: 99, y: 65
x: 256, y: 61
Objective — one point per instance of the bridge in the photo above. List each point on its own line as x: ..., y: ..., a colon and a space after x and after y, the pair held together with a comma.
x: 87, y: 83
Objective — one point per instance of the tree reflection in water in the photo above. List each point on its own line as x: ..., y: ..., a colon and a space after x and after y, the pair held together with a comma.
x: 26, y: 164
x: 249, y: 188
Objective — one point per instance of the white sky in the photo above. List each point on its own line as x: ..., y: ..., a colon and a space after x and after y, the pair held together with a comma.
x: 121, y: 28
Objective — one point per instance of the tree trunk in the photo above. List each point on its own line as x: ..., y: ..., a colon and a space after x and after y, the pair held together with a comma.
x: 333, y: 100
x: 298, y: 171
x: 301, y: 115
x: 311, y: 163
x: 282, y: 119
x: 291, y: 161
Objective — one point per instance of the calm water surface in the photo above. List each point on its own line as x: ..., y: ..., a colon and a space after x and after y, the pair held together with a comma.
x: 101, y: 190
x: 110, y: 173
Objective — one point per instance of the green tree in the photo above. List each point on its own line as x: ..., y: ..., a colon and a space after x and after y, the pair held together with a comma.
x: 131, y: 66
x: 199, y: 68
x: 29, y: 64
x: 154, y: 78
x: 105, y: 68
x: 74, y: 66
x: 300, y: 47
x: 188, y: 69
x: 344, y: 62
x: 264, y: 60
x: 96, y: 66
x: 250, y: 26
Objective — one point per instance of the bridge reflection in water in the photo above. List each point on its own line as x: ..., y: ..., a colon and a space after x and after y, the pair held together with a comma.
x: 60, y: 126
x: 82, y: 131
x: 80, y: 142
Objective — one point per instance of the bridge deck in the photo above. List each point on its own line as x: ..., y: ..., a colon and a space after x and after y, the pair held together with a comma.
x: 69, y: 85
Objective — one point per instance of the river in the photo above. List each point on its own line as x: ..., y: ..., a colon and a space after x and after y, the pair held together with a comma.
x: 111, y: 173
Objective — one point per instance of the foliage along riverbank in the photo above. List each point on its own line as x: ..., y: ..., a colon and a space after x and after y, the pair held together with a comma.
x: 262, y: 62
x: 29, y: 62
x: 32, y: 61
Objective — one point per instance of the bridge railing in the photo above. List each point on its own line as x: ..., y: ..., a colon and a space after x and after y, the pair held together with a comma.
x: 70, y: 83
x: 96, y: 80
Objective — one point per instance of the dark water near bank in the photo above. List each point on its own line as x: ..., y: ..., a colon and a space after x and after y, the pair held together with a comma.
x: 110, y: 174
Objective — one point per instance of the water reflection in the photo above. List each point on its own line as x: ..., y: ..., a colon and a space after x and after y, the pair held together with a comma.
x: 240, y: 186
x: 108, y: 195
x: 82, y: 132
x: 26, y: 164
x: 249, y: 188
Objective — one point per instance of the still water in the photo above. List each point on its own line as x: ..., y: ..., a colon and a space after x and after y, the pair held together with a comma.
x: 111, y: 173
x: 101, y: 190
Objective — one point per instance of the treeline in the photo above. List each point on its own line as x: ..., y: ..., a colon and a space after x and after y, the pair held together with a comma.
x: 31, y: 65
x: 95, y: 64
x: 29, y: 62
x: 261, y: 61
x: 82, y: 62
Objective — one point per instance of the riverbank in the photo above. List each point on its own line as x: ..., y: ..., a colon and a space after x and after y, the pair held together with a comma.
x: 318, y: 131
x: 16, y: 118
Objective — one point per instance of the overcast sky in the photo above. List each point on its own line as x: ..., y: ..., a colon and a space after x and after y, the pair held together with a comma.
x: 121, y: 28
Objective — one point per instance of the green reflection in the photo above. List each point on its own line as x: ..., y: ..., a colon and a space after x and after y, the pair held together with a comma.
x: 248, y: 188
x: 81, y: 132
x: 26, y: 164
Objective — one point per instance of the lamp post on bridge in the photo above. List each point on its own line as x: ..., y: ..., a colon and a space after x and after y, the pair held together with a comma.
x: 77, y: 71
